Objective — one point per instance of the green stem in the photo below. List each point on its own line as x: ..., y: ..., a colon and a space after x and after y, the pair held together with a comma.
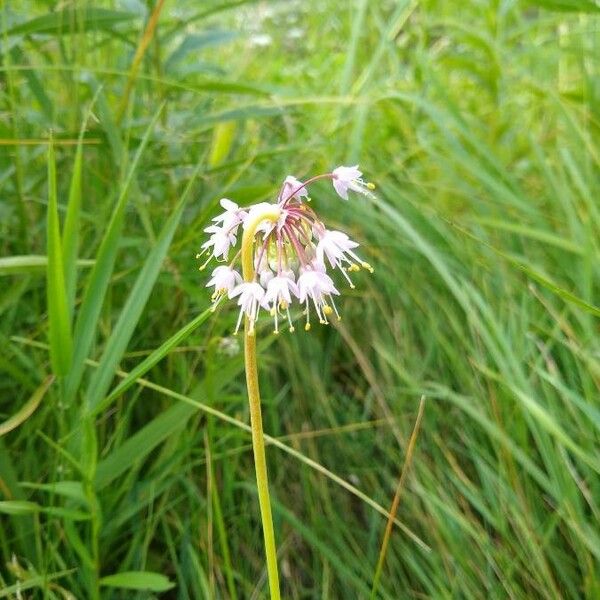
x: 258, y: 442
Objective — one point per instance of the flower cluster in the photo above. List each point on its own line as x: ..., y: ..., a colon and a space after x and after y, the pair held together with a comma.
x: 291, y: 251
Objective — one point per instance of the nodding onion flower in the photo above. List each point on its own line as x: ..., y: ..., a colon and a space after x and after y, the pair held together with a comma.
x: 292, y: 252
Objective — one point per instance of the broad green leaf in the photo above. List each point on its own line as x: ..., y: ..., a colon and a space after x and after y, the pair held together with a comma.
x: 138, y: 580
x: 59, y: 323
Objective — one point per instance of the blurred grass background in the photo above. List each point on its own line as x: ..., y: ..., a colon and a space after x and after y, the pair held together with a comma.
x: 478, y: 121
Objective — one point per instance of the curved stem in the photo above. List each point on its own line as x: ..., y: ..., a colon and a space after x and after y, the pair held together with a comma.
x: 258, y: 442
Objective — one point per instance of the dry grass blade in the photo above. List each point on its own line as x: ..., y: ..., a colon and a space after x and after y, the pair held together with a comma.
x: 28, y: 408
x: 139, y: 55
x: 396, y: 501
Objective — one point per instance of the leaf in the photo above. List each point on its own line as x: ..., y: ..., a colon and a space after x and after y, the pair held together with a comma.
x: 136, y: 301
x: 561, y: 292
x: 28, y: 408
x: 138, y: 580
x: 68, y: 489
x: 24, y: 507
x: 70, y: 239
x: 59, y: 323
x: 41, y: 581
x: 30, y: 263
x: 99, y: 280
x: 18, y: 507
x: 154, y: 358
x: 59, y: 22
x: 222, y: 141
x: 566, y: 5
x: 141, y: 443
x: 191, y: 44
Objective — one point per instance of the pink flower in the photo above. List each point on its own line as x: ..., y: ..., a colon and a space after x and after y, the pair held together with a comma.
x: 251, y: 296
x: 350, y: 178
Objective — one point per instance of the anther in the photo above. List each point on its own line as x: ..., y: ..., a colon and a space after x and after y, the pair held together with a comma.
x: 327, y: 309
x: 370, y: 185
x: 367, y: 266
x: 307, y: 327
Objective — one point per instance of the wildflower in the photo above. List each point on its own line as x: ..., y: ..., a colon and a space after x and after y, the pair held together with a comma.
x: 224, y: 280
x: 292, y: 188
x: 232, y: 216
x: 290, y: 256
x: 316, y: 285
x: 338, y: 248
x: 251, y: 296
x: 220, y: 241
x: 350, y: 178
x: 278, y: 297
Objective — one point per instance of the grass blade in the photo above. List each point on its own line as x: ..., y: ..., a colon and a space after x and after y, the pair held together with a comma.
x: 156, y: 356
x: 59, y: 324
x: 28, y: 408
x: 30, y: 263
x: 134, y: 305
x: 71, y: 229
x: 138, y: 580
x: 100, y: 276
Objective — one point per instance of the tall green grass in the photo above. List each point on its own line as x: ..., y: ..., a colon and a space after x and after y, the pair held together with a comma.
x: 125, y: 455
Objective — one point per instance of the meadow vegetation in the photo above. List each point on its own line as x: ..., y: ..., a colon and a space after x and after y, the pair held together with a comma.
x: 125, y: 458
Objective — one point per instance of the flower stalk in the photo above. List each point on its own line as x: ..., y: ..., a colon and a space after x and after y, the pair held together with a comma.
x: 285, y: 253
x: 258, y: 442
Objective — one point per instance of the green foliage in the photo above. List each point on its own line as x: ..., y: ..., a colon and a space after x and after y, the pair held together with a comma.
x: 125, y: 457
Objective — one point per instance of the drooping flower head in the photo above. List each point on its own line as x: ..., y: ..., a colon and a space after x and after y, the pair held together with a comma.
x: 292, y: 251
x: 350, y: 178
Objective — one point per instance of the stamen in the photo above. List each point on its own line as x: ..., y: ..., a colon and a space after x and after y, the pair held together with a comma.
x: 203, y: 266
x: 239, y: 322
x: 337, y: 314
x: 367, y: 266
x: 289, y: 318
x: 343, y: 270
